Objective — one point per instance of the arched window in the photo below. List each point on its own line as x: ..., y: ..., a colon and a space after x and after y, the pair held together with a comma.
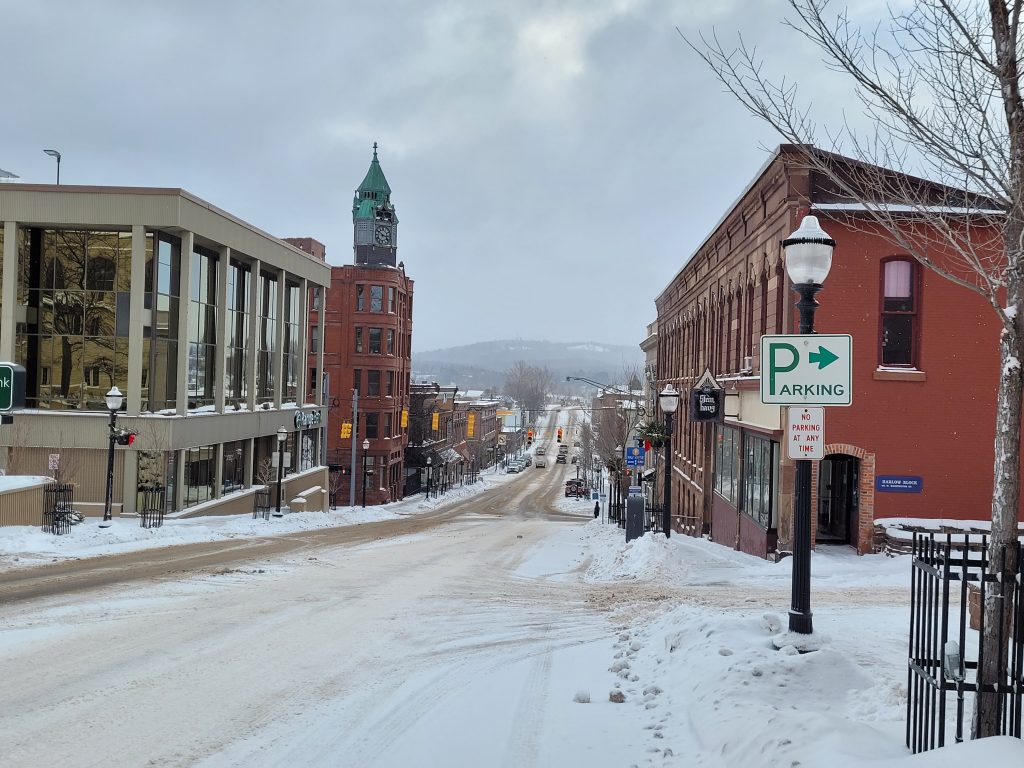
x: 900, y: 302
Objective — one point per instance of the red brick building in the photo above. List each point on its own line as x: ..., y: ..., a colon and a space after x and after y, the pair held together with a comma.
x: 917, y: 439
x: 368, y: 350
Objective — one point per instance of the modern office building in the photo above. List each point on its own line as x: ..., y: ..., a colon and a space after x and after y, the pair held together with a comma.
x: 196, y: 316
x: 367, y: 332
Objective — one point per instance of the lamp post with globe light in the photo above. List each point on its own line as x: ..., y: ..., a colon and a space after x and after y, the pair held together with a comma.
x: 114, y: 400
x: 282, y: 436
x: 668, y: 399
x: 366, y: 447
x: 808, y: 261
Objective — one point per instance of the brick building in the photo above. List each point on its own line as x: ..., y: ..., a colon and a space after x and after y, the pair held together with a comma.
x: 368, y: 349
x: 917, y: 439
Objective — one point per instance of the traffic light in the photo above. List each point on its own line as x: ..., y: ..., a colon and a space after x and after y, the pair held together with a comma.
x: 559, y: 434
x: 529, y: 437
x: 124, y: 437
x: 346, y: 429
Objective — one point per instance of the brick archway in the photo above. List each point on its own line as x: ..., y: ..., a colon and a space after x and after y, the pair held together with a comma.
x: 866, y: 494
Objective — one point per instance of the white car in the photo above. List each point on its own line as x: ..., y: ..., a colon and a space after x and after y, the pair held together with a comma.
x: 540, y: 463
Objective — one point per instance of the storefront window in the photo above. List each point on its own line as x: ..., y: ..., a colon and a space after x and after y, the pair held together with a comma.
x: 199, y: 474
x: 727, y: 464
x: 760, y: 480
x: 233, y: 467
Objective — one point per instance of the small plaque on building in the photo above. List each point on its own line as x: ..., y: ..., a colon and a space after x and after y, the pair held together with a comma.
x: 899, y: 483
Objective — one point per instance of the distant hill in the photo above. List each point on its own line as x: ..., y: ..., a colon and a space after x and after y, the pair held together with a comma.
x: 483, y: 365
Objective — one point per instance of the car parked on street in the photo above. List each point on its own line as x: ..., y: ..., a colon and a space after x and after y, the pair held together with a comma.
x: 560, y: 459
x: 541, y: 463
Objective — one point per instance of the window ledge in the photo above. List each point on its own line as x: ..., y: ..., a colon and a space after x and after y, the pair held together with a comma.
x: 895, y: 374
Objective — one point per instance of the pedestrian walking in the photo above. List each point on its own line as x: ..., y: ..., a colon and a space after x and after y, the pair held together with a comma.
x: 597, y: 509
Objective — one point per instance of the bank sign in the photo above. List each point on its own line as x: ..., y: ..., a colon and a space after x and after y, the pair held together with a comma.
x: 807, y: 369
x: 12, y: 386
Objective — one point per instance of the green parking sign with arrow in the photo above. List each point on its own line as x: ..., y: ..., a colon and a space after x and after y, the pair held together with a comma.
x: 12, y: 386
x: 807, y: 369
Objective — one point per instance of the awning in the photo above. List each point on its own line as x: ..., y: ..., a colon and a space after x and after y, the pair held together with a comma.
x: 648, y: 474
x: 450, y: 456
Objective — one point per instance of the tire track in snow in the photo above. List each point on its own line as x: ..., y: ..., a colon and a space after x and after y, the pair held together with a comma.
x: 521, y: 750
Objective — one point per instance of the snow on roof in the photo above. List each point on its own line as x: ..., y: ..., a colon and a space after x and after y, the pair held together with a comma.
x: 901, y: 208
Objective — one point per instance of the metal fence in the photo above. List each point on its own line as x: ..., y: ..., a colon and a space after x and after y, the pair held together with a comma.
x: 261, y: 504
x: 950, y: 582
x: 58, y: 508
x: 153, y: 506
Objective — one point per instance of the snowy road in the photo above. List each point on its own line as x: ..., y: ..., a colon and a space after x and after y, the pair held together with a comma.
x: 396, y: 652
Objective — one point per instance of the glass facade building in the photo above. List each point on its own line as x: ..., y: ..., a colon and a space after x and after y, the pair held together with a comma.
x: 152, y: 291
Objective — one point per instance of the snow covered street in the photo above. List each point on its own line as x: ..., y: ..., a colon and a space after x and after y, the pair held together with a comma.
x: 497, y: 638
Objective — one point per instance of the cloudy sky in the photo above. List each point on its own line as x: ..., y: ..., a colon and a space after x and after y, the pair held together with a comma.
x: 553, y: 162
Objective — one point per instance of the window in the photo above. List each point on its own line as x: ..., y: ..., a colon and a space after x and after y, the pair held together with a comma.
x: 760, y: 480
x: 314, y: 339
x: 359, y: 338
x: 357, y: 379
x: 371, y: 425
x: 390, y: 384
x: 316, y: 298
x: 373, y: 383
x: 727, y: 451
x: 391, y: 341
x: 899, y: 313
x: 387, y: 425
x: 391, y: 299
x: 376, y: 298
x: 360, y: 298
x: 375, y: 341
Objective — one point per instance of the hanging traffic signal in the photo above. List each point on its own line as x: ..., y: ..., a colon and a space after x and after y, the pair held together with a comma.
x: 346, y: 429
x: 559, y: 434
x: 529, y: 437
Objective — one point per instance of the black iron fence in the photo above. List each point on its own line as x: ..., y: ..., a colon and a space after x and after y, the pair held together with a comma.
x: 950, y: 582
x: 58, y: 508
x: 152, y: 506
x: 261, y: 504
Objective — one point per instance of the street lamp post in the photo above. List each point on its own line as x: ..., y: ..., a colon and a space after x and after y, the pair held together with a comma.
x: 430, y: 472
x: 114, y: 400
x: 618, y: 486
x: 55, y: 154
x: 366, y: 447
x: 669, y: 401
x: 808, y: 260
x: 282, y: 435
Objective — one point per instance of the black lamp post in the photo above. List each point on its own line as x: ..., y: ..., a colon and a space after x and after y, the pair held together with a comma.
x: 808, y: 260
x: 366, y: 447
x: 669, y: 402
x: 430, y: 471
x: 282, y: 435
x: 114, y: 400
x: 56, y: 155
x: 618, y: 485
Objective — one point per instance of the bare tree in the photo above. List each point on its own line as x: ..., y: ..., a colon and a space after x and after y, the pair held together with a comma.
x: 941, y: 83
x: 528, y: 385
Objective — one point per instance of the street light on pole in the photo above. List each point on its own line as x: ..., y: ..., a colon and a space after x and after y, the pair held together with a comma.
x: 430, y: 473
x: 55, y: 154
x: 808, y: 261
x: 669, y: 401
x: 114, y: 400
x: 282, y: 435
x: 366, y: 447
x: 618, y: 485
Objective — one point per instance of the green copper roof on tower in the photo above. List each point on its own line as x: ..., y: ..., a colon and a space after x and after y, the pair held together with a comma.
x: 374, y: 189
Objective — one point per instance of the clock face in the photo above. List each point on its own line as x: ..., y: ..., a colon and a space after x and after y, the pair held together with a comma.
x: 383, y: 235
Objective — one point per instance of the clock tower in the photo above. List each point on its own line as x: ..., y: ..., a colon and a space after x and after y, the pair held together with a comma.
x: 374, y: 223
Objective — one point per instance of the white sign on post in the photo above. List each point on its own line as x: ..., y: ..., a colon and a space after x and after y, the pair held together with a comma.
x: 54, y: 461
x: 807, y: 369
x: 805, y: 434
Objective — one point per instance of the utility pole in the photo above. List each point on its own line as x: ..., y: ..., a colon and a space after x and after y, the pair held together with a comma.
x: 355, y: 429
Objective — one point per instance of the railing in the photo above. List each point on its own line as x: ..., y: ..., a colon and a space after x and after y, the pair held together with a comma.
x: 151, y: 513
x: 58, y: 508
x: 945, y: 650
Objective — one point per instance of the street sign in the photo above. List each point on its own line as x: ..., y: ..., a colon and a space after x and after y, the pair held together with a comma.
x: 634, y: 457
x: 12, y: 386
x: 635, y: 490
x: 54, y: 463
x: 807, y: 369
x: 805, y: 433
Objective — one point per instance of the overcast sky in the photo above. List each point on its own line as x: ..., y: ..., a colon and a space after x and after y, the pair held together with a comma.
x: 553, y: 163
